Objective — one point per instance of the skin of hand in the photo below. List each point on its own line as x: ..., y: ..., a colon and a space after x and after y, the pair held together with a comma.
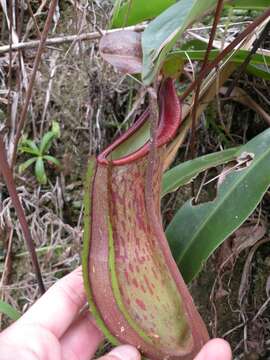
x: 55, y: 328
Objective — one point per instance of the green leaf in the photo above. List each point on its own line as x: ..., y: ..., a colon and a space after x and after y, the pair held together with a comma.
x: 47, y: 139
x: 46, y: 142
x: 9, y: 311
x: 26, y: 164
x: 194, y: 44
x: 28, y: 150
x: 135, y: 11
x: 249, y: 4
x: 261, y: 71
x: 115, y: 13
x: 185, y: 172
x: 196, y: 231
x: 162, y: 33
x: 2, y: 116
x: 238, y: 57
x: 173, y: 67
x: 28, y: 146
x: 52, y: 159
x: 56, y: 129
x: 258, y: 65
x: 40, y: 171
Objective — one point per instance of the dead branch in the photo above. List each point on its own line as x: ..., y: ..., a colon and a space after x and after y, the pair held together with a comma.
x: 10, y: 184
x: 65, y: 39
x: 32, y: 79
x: 238, y: 39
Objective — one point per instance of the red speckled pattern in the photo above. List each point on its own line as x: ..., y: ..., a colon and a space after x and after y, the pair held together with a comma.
x: 151, y: 287
x: 141, y: 267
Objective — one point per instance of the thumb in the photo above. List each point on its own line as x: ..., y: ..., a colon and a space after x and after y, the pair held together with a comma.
x: 123, y: 352
x: 216, y: 349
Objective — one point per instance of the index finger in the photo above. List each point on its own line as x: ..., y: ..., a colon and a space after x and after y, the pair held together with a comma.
x: 59, y: 306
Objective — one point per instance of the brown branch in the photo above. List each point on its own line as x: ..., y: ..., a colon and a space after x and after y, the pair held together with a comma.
x: 242, y: 97
x: 205, y: 61
x: 6, y: 274
x: 206, y: 96
x: 253, y: 51
x: 30, y: 22
x: 67, y: 39
x: 32, y: 78
x: 19, y: 12
x: 251, y: 27
x: 10, y: 15
x: 10, y: 184
x: 33, y: 18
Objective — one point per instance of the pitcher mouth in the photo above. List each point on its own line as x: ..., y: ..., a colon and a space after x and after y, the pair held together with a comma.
x: 137, y: 137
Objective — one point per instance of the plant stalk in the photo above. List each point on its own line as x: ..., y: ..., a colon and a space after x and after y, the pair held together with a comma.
x: 10, y: 184
x: 251, y: 27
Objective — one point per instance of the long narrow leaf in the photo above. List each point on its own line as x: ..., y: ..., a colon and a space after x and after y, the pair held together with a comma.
x: 56, y: 129
x: 162, y: 33
x: 185, y: 172
x: 115, y: 13
x: 28, y: 150
x: 136, y: 11
x: 196, y: 231
x: 29, y: 146
x: 261, y: 71
x: 249, y: 4
x: 40, y: 171
x: 48, y: 138
x: 9, y: 311
x: 46, y: 142
x: 238, y: 57
x: 26, y: 164
x: 52, y: 159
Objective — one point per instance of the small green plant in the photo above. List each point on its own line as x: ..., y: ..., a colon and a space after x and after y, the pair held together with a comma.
x: 40, y: 153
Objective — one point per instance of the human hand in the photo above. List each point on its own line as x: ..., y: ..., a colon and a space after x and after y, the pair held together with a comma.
x: 55, y: 329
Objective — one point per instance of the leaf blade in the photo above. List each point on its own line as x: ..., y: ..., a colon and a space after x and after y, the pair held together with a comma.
x: 209, y: 224
x: 261, y: 71
x: 9, y: 310
x: 249, y: 4
x: 40, y: 171
x: 29, y: 146
x: 162, y: 33
x: 26, y: 164
x: 239, y: 56
x: 185, y: 172
x: 52, y: 159
x: 138, y: 11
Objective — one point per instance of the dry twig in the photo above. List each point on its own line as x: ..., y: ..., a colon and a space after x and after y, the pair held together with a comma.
x: 32, y: 79
x: 65, y: 39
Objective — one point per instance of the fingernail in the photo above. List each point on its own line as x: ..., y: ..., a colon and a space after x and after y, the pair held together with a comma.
x: 126, y: 352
